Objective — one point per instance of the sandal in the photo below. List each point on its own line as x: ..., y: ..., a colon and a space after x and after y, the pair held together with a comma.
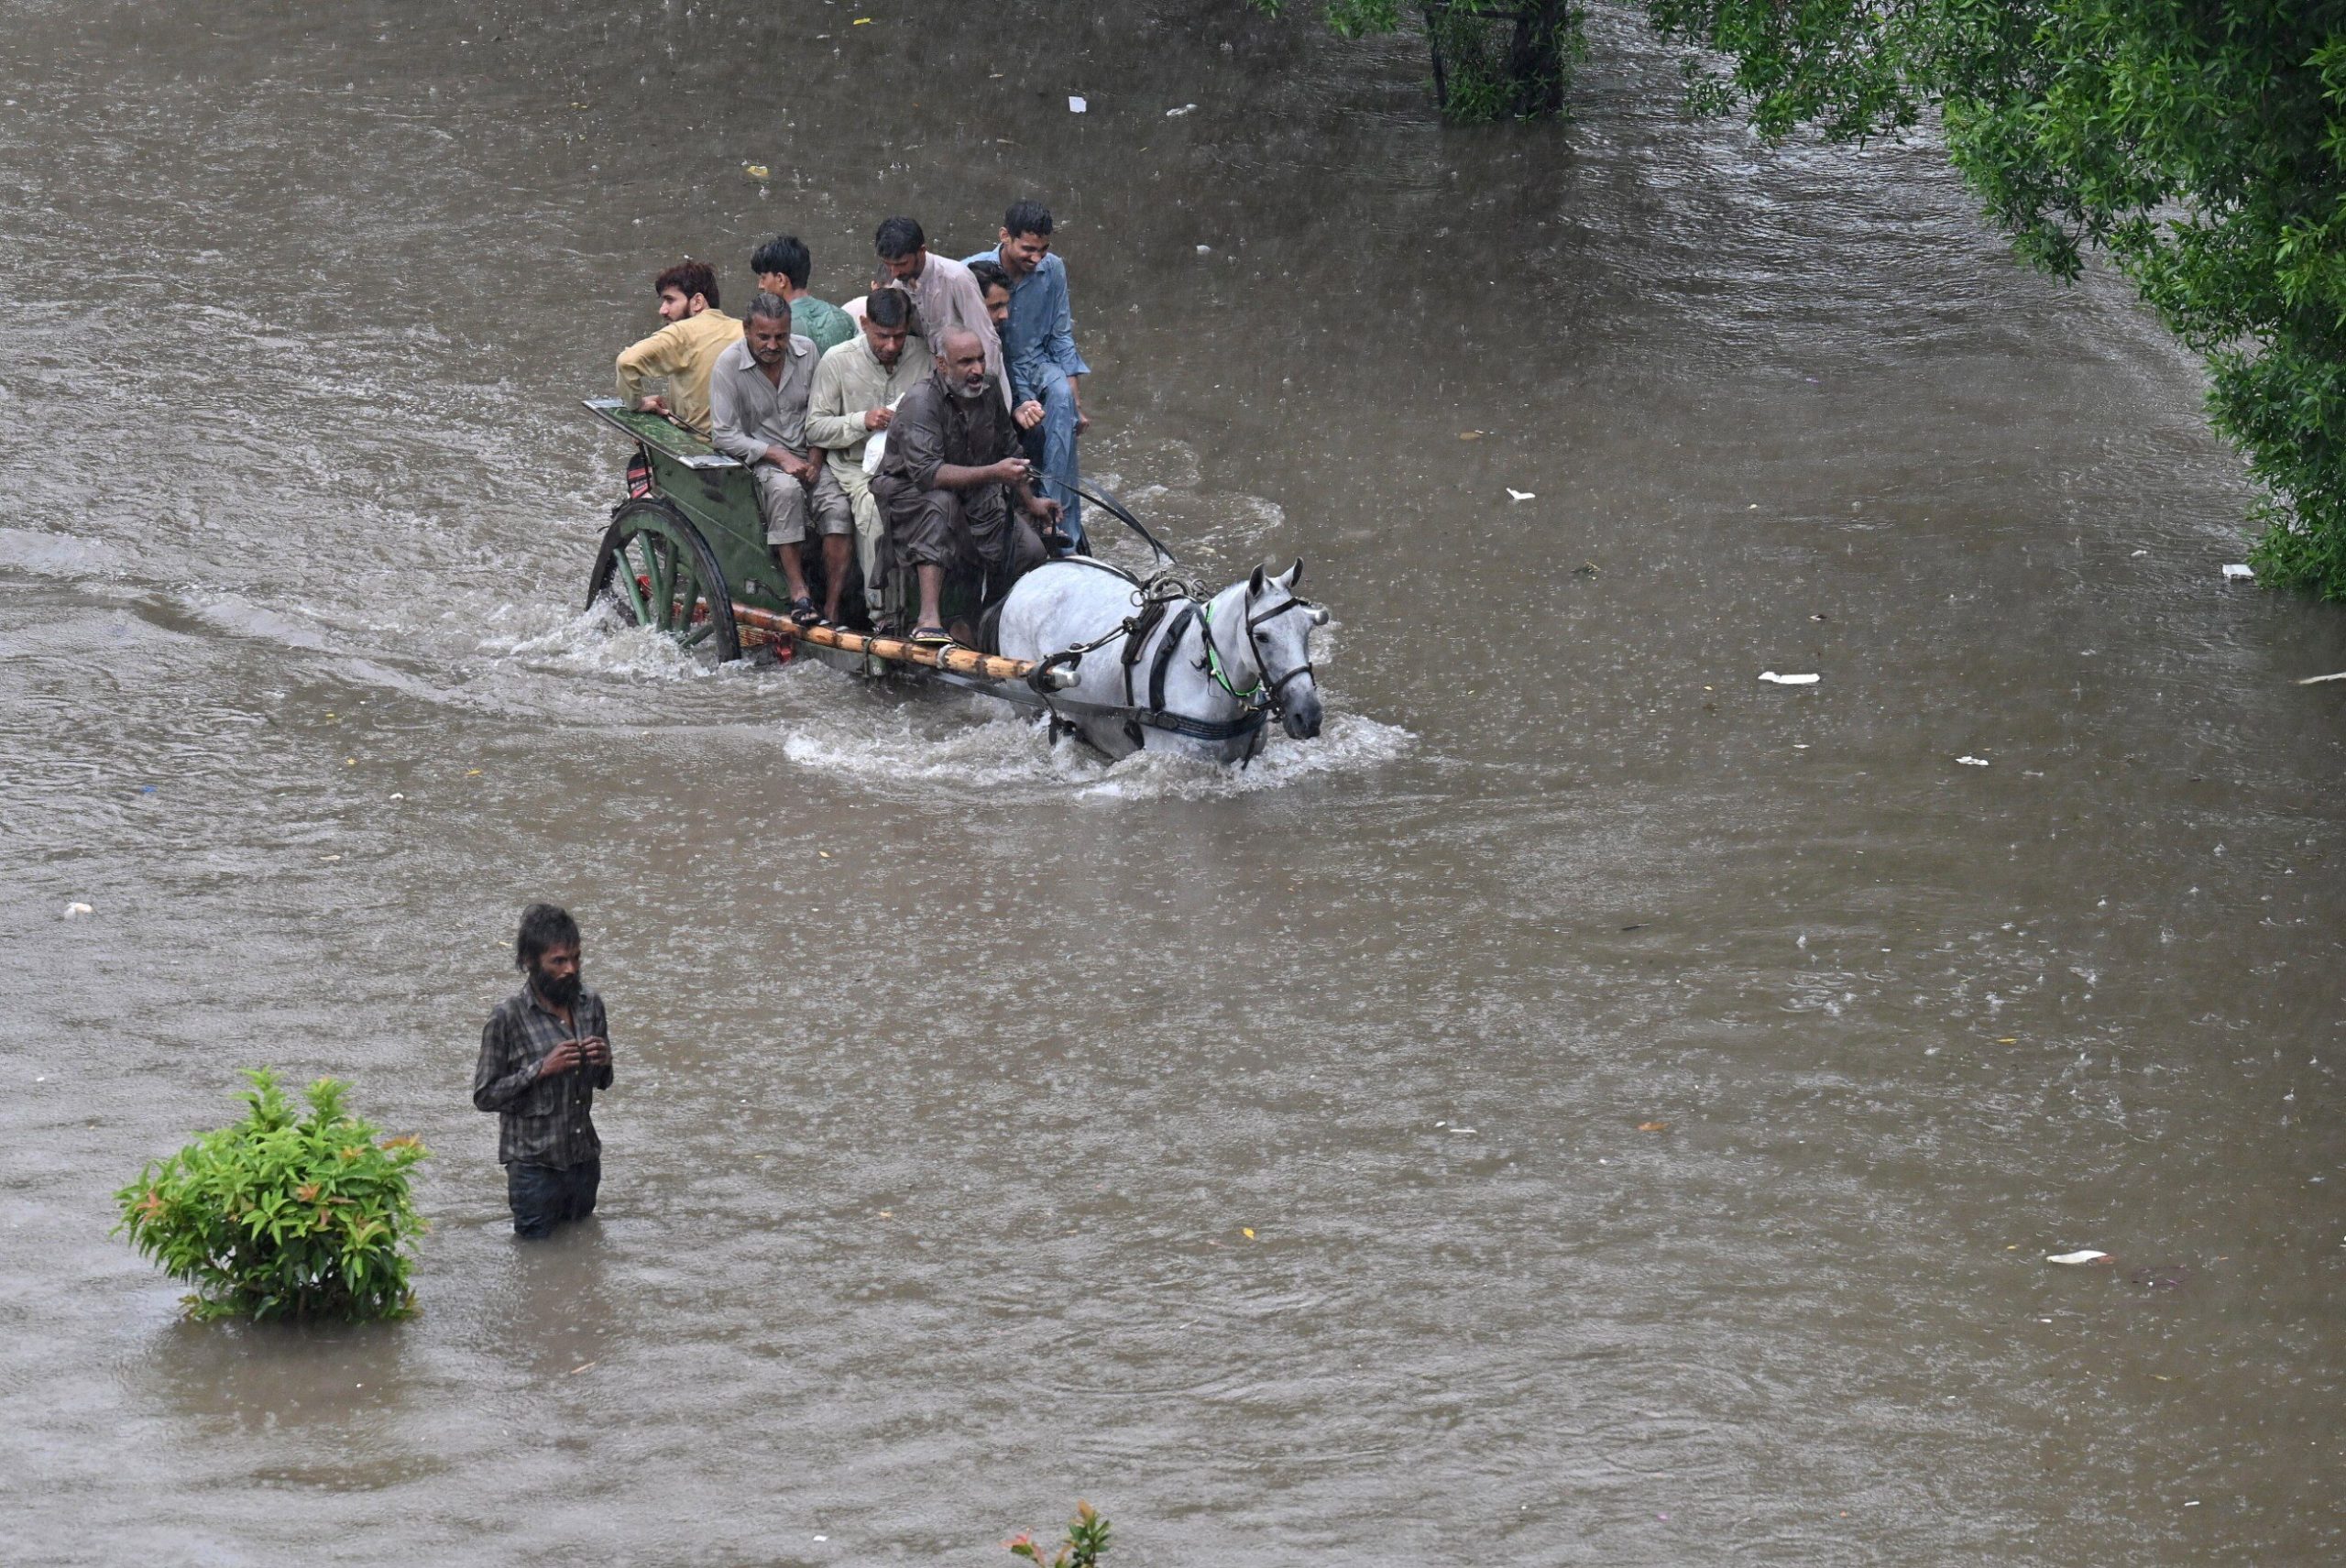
x: 802, y: 611
x: 930, y: 637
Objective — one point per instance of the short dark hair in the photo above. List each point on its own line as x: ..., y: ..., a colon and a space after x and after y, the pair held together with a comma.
x: 896, y: 238
x: 785, y: 254
x: 768, y: 307
x: 989, y: 275
x: 1027, y: 217
x: 544, y: 926
x: 689, y: 278
x: 891, y: 308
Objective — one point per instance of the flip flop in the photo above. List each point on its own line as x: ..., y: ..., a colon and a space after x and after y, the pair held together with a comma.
x: 930, y: 637
x: 803, y: 612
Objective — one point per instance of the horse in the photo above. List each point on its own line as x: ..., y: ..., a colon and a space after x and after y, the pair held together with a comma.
x: 1203, y: 675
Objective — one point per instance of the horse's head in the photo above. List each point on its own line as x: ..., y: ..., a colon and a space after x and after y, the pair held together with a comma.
x: 1279, y: 629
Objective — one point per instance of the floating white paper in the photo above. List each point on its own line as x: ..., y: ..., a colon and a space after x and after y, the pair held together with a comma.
x: 1774, y: 679
x: 1514, y: 495
x: 1176, y: 114
x: 1972, y: 761
x: 1076, y: 106
x: 2074, y: 1259
x: 2239, y: 574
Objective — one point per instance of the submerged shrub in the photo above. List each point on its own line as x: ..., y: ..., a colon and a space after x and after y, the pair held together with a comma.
x: 283, y: 1215
x: 1086, y: 1539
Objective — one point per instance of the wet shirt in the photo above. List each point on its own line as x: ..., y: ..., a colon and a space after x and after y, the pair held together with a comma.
x: 944, y: 295
x: 821, y: 323
x: 752, y: 413
x: 934, y: 427
x: 539, y: 1121
x: 684, y: 353
x: 851, y: 379
x: 1041, y: 330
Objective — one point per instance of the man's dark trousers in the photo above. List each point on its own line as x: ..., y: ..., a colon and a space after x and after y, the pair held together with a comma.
x: 544, y: 1196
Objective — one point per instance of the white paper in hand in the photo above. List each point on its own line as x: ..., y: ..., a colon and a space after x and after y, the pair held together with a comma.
x: 877, y: 447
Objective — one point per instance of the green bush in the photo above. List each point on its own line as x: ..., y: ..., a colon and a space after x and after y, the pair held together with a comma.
x: 283, y: 1215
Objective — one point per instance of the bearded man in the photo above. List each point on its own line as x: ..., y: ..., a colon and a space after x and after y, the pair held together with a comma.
x: 683, y: 351
x: 952, y: 486
x: 542, y: 1056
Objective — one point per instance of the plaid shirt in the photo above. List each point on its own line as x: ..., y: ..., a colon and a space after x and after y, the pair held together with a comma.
x: 539, y: 1121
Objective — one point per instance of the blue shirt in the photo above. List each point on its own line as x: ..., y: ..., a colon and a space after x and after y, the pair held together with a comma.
x: 1040, y: 332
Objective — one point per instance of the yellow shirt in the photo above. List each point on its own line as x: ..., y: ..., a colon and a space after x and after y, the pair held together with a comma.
x: 684, y: 353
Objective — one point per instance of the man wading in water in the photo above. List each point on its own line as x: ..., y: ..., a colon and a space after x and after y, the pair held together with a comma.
x: 542, y: 1056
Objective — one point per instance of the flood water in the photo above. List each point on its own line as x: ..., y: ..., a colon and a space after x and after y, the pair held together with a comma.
x: 931, y: 1165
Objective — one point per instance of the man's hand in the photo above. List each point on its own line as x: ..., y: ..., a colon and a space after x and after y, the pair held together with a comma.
x: 878, y: 419
x: 1049, y: 511
x: 563, y: 1057
x: 1028, y: 415
x: 1082, y: 420
x: 654, y: 404
x: 802, y: 469
x: 596, y: 1051
x: 1009, y: 471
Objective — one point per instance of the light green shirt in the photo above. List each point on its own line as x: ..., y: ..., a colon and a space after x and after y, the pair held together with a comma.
x: 851, y: 379
x: 822, y: 321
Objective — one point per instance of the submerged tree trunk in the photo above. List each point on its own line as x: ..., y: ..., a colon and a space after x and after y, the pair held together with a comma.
x: 1500, y: 60
x: 1535, y: 57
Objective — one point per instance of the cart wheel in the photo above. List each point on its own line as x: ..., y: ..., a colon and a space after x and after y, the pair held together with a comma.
x: 660, y: 572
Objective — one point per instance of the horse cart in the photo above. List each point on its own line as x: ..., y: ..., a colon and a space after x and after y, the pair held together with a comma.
x: 686, y: 555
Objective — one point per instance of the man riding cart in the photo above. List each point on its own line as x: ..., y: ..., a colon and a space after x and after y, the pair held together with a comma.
x: 953, y: 489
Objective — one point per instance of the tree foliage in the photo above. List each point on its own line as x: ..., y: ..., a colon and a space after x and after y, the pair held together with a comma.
x: 283, y: 1215
x: 2199, y: 143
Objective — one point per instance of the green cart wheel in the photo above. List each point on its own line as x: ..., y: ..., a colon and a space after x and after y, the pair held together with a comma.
x: 655, y: 566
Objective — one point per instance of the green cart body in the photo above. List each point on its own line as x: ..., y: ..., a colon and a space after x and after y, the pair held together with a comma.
x: 689, y: 546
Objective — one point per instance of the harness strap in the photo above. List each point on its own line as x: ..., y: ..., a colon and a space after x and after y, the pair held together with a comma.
x: 1164, y: 660
x: 1136, y: 629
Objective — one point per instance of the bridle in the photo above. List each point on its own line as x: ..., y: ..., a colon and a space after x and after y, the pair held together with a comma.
x: 1266, y: 694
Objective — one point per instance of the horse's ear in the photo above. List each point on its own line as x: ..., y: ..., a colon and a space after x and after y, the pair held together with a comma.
x: 1254, y: 583
x: 1294, y: 573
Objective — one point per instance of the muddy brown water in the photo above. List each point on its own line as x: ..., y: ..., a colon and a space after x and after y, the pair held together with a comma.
x: 930, y: 1164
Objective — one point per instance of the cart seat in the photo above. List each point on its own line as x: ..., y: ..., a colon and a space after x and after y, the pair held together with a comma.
x: 662, y: 434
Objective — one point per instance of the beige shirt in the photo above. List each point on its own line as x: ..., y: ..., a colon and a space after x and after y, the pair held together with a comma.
x: 946, y: 294
x: 684, y: 353
x: 849, y: 380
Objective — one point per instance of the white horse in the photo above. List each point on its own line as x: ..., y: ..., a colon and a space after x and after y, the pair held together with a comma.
x: 1206, y: 675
